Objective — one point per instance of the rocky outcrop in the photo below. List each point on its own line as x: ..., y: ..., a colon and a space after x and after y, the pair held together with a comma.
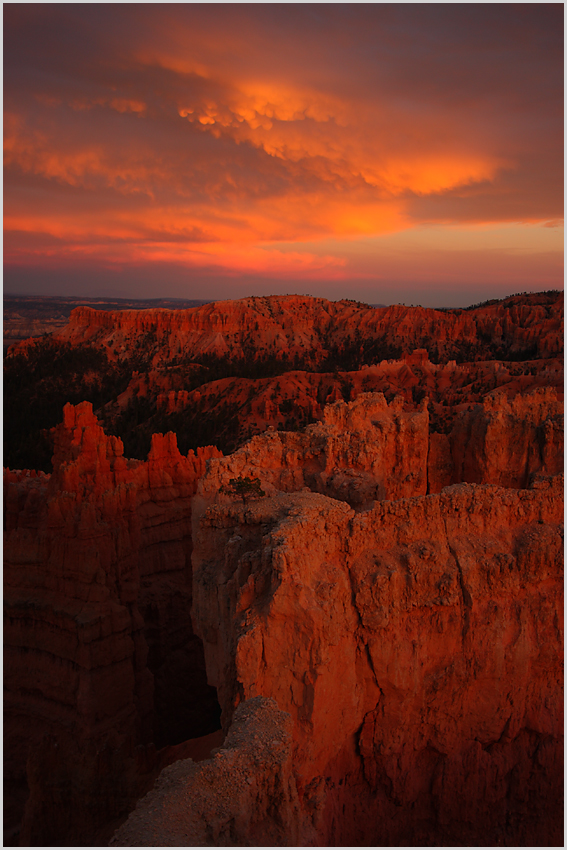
x: 27, y: 316
x: 360, y: 452
x: 299, y: 397
x: 100, y: 657
x: 293, y: 325
x: 412, y: 636
x: 504, y: 441
x: 224, y: 372
x: 244, y: 796
x: 417, y: 647
x: 369, y: 449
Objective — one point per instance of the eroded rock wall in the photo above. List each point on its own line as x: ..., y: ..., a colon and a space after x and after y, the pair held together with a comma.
x: 287, y: 326
x: 359, y: 452
x: 416, y: 646
x: 98, y: 637
x: 244, y: 796
x: 413, y: 637
x: 370, y: 450
x: 296, y: 394
x: 504, y: 441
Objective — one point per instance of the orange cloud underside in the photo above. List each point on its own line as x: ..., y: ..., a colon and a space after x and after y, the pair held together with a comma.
x: 337, y: 187
x: 210, y: 152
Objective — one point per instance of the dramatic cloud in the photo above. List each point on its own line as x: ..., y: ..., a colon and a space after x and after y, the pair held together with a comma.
x: 269, y: 140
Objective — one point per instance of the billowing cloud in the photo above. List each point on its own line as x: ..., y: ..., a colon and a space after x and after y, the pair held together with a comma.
x: 211, y: 135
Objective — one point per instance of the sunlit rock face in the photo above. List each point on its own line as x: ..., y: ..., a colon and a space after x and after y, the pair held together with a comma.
x: 505, y: 441
x: 227, y: 371
x: 373, y: 602
x: 299, y: 325
x: 416, y: 650
x: 359, y: 452
x: 370, y: 450
x: 415, y: 644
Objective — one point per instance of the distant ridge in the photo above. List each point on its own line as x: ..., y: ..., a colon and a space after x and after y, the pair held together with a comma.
x: 32, y: 316
x: 70, y: 301
x: 28, y: 316
x: 305, y: 330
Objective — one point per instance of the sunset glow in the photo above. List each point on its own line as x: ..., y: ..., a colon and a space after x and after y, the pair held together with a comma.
x: 231, y: 149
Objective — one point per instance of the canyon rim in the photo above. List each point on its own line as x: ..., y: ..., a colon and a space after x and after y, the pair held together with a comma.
x: 342, y: 626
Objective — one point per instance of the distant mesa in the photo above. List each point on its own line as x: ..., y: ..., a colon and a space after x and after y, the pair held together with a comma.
x: 227, y: 370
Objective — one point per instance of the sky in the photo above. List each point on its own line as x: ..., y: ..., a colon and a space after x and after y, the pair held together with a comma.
x: 390, y: 153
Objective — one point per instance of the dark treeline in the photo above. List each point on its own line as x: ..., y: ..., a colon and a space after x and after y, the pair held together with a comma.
x: 38, y: 384
x: 508, y: 302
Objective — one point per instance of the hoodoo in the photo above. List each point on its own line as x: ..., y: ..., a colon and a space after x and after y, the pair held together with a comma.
x: 362, y: 616
x: 101, y: 663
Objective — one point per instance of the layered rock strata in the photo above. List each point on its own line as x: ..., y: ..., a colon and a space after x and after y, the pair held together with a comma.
x: 272, y: 401
x: 416, y: 643
x: 369, y: 449
x: 221, y: 373
x: 100, y: 657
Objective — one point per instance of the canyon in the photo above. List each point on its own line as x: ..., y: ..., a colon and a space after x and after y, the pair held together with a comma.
x: 226, y: 371
x: 348, y: 633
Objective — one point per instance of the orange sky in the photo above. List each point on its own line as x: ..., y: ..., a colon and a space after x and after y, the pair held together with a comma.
x: 389, y: 153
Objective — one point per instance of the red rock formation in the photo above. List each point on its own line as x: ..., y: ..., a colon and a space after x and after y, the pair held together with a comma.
x: 368, y: 450
x: 361, y: 451
x: 97, y: 641
x: 170, y: 389
x: 296, y: 325
x: 414, y: 640
x: 417, y: 648
x: 295, y: 398
x: 299, y: 396
x: 504, y: 441
x: 244, y: 796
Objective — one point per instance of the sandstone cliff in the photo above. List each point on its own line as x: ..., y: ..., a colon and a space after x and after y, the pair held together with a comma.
x: 416, y: 645
x: 369, y: 449
x: 417, y: 648
x: 412, y: 636
x: 100, y: 656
